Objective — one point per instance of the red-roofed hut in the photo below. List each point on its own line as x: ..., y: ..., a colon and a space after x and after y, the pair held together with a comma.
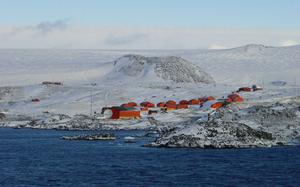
x: 147, y: 104
x: 171, y: 102
x: 235, y: 98
x: 194, y: 102
x: 161, y: 104
x: 184, y: 102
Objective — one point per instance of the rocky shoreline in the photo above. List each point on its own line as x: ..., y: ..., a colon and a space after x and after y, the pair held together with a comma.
x: 214, y: 134
x: 264, y: 125
x: 258, y: 126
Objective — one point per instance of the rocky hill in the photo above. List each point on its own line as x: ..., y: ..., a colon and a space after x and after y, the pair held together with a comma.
x: 170, y: 68
x: 257, y: 126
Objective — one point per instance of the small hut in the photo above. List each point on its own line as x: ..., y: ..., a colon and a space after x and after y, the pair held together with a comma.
x: 235, y: 98
x: 35, y: 100
x: 244, y: 89
x: 129, y: 105
x: 184, y: 102
x: 171, y: 106
x: 171, y: 102
x: 132, y: 104
x: 194, y: 102
x: 161, y: 104
x: 210, y: 98
x: 124, y: 113
x: 182, y: 106
x: 217, y: 105
x: 147, y: 104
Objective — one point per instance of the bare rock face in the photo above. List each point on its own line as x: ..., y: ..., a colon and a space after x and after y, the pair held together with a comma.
x: 256, y: 126
x: 171, y: 68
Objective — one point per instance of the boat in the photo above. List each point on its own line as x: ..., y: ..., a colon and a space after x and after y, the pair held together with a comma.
x: 129, y: 139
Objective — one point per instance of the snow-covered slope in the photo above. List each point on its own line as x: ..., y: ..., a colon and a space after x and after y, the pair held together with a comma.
x: 24, y: 67
x: 249, y: 64
x: 156, y: 75
x: 156, y: 69
x: 242, y: 65
x: 122, y: 78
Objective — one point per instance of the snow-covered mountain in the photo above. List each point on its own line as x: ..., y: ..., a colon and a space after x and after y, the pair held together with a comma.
x: 148, y: 69
x: 250, y: 64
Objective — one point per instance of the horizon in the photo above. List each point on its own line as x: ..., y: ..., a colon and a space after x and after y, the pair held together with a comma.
x: 103, y: 49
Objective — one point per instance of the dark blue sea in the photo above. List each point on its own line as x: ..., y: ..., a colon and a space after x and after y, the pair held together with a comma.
x: 31, y: 157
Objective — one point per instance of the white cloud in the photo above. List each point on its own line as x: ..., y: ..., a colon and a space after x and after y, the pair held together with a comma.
x: 61, y: 34
x: 289, y: 43
x: 42, y: 28
x: 47, y: 26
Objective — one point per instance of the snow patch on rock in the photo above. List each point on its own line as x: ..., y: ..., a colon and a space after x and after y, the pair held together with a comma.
x: 255, y: 126
x: 214, y: 134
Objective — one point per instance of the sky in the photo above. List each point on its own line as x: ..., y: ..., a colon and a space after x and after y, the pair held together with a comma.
x: 148, y: 24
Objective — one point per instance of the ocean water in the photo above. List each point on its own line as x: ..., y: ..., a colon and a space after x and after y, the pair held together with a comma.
x: 31, y: 157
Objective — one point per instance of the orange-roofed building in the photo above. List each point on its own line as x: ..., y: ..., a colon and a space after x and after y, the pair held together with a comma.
x: 235, y: 98
x: 132, y: 104
x: 182, y: 106
x: 171, y: 102
x: 194, y: 102
x: 147, y: 104
x: 144, y: 109
x: 124, y: 113
x: 217, y: 105
x: 210, y: 98
x: 171, y: 106
x: 126, y: 105
x: 161, y: 104
x: 184, y: 102
x: 202, y: 99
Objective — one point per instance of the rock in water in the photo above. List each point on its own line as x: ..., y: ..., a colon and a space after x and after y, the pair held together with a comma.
x: 214, y: 134
x: 91, y: 137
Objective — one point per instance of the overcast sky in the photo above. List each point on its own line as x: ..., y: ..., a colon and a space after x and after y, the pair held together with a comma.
x: 148, y: 24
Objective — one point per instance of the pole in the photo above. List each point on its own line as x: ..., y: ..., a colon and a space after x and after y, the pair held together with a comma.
x: 91, y: 107
x: 296, y: 88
